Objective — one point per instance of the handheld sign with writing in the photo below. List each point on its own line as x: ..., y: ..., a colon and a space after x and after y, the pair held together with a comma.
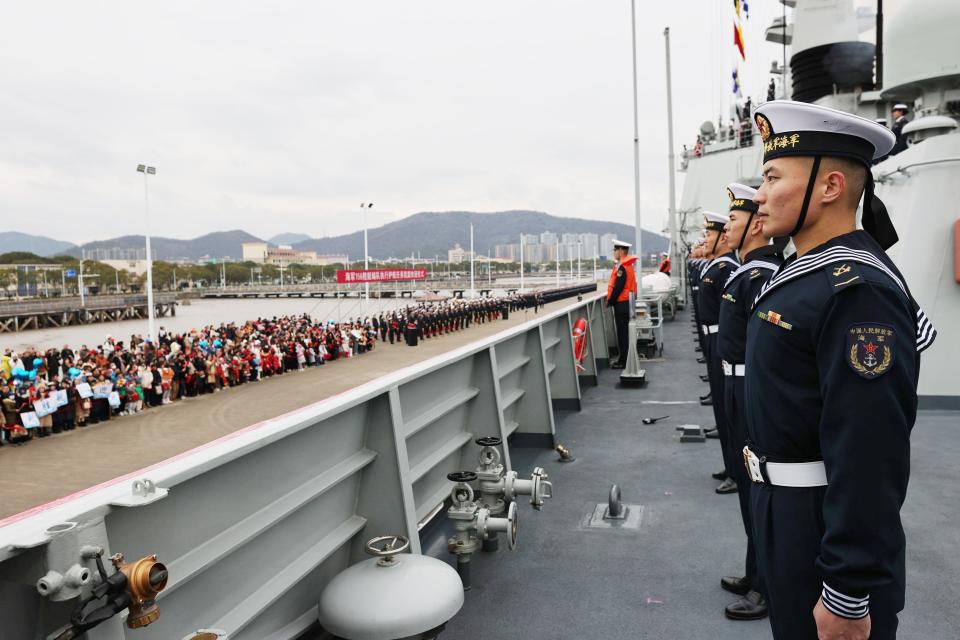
x: 45, y: 407
x: 30, y: 420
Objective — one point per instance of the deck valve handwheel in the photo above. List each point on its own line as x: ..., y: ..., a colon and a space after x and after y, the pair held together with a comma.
x: 394, y: 545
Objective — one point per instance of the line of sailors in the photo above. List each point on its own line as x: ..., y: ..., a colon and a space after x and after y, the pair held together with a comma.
x: 428, y: 320
x: 813, y: 363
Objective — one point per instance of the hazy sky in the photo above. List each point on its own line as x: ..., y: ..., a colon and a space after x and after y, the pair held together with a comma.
x: 284, y: 116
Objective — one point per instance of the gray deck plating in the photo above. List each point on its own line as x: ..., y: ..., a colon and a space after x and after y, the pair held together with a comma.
x: 662, y: 580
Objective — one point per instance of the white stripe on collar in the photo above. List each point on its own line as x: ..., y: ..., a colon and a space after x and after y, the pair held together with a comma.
x: 753, y: 264
x: 926, y: 332
x: 723, y: 258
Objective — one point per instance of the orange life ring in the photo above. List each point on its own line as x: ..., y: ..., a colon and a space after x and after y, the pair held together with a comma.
x: 579, y: 341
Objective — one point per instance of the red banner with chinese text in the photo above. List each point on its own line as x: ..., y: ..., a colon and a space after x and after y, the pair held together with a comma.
x: 353, y: 276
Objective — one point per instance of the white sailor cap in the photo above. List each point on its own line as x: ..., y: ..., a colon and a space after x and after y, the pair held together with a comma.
x: 790, y: 128
x: 620, y: 244
x: 715, y: 221
x: 741, y: 197
x: 900, y: 107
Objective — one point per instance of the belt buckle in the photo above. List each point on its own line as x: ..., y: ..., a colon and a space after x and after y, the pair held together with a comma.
x: 752, y: 463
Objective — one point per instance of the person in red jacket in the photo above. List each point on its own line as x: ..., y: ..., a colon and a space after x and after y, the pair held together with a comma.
x: 623, y: 282
x: 664, y: 263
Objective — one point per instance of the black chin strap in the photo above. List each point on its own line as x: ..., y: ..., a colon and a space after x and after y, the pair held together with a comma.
x: 876, y: 220
x: 806, y: 197
x: 715, y: 243
x: 746, y: 230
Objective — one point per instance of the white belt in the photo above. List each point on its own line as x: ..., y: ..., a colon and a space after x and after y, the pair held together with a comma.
x: 696, y: 288
x: 710, y: 328
x: 784, y: 474
x: 734, y: 369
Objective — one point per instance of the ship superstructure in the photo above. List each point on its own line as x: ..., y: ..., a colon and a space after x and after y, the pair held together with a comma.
x: 916, y: 61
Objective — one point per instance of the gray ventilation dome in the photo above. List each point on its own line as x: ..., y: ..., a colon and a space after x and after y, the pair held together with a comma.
x: 396, y: 595
x: 928, y: 127
x: 922, y: 47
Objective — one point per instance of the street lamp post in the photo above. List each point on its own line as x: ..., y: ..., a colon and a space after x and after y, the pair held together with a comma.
x: 521, y: 262
x: 366, y: 256
x: 145, y: 170
x: 558, y: 263
x: 83, y: 301
x: 578, y: 260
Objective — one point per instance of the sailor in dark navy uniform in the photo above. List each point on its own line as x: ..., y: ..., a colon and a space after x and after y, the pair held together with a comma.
x: 693, y: 280
x: 759, y: 259
x: 832, y: 362
x: 696, y: 272
x: 900, y: 112
x: 715, y: 275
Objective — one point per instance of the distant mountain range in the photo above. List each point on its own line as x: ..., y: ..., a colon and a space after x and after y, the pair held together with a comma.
x: 288, y: 238
x: 38, y: 245
x: 427, y: 234
x: 432, y: 233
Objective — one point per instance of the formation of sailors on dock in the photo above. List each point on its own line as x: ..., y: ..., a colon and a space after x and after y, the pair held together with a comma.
x: 813, y: 362
x: 49, y: 392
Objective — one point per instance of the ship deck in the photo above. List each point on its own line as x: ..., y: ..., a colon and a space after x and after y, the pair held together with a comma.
x: 662, y: 580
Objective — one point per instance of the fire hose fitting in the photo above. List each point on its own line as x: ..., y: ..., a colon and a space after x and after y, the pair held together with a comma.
x: 474, y: 524
x: 145, y: 579
x: 133, y: 586
x: 498, y: 487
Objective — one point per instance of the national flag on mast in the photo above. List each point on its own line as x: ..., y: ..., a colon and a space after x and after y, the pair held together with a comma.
x: 738, y: 39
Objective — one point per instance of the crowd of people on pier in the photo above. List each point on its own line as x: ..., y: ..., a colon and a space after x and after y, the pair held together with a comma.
x: 45, y: 392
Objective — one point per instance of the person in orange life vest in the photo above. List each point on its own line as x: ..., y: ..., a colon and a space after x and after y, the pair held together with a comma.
x: 665, y: 263
x: 623, y: 282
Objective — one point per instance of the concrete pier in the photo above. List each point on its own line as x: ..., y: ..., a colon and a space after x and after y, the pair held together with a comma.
x: 65, y: 312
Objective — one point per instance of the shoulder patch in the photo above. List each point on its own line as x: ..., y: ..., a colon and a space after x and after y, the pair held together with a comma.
x: 842, y: 275
x: 869, y: 350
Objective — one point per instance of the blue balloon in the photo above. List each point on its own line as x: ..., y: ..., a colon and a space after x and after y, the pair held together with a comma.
x: 73, y: 372
x: 37, y: 362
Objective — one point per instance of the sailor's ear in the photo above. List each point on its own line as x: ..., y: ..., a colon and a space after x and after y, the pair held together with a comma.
x: 834, y: 184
